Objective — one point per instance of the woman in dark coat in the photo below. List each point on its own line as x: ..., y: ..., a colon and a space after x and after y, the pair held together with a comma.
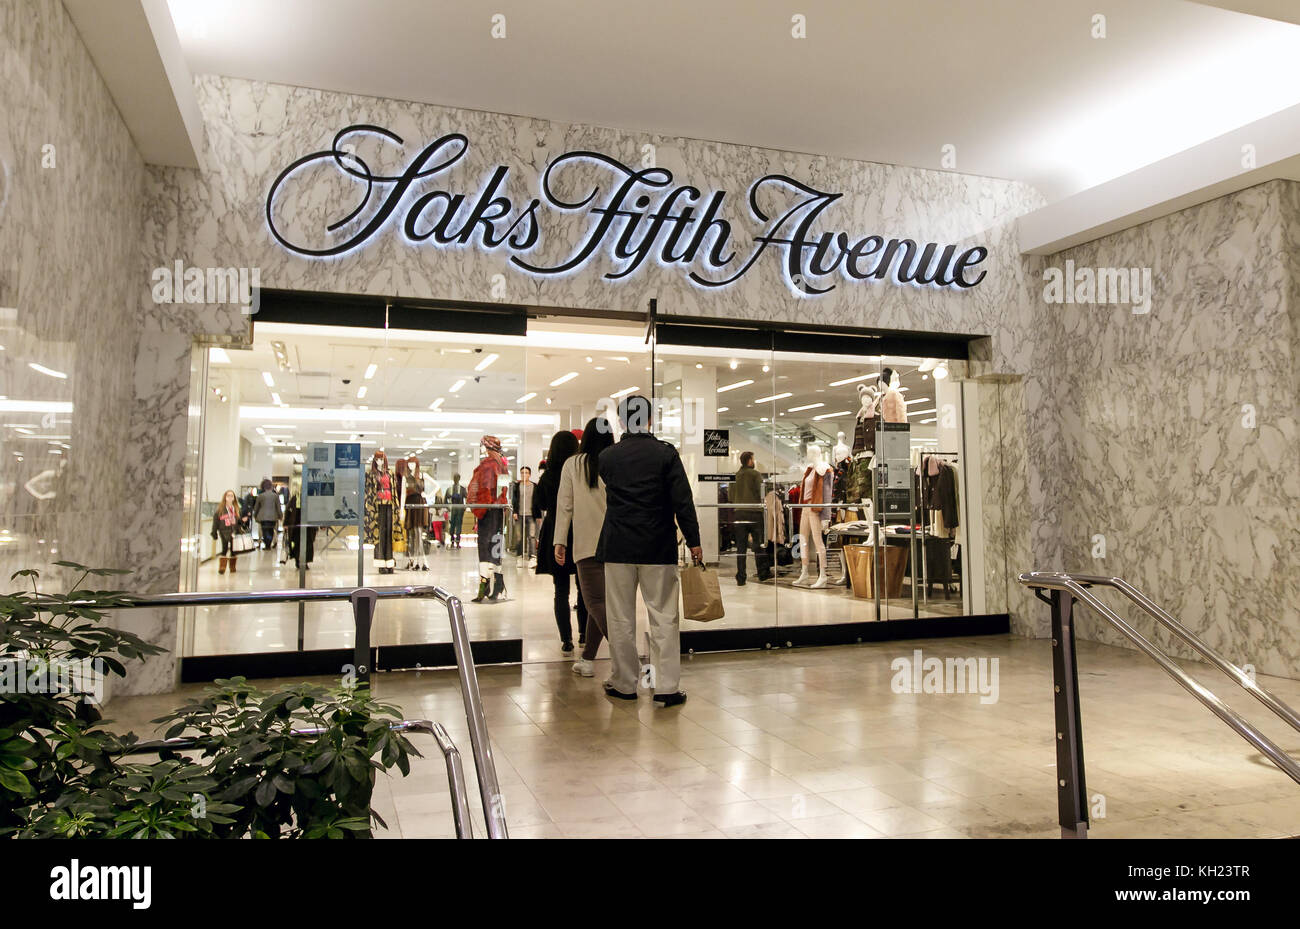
x: 563, y: 445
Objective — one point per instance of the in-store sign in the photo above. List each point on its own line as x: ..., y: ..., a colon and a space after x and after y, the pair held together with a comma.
x: 717, y: 443
x: 332, y: 477
x: 715, y: 478
x: 636, y: 216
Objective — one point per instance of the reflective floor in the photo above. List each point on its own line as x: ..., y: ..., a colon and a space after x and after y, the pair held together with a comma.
x: 528, y: 613
x: 816, y: 743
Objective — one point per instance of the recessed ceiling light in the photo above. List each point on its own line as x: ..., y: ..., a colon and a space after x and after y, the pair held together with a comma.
x: 275, y: 398
x: 774, y: 397
x: 526, y: 397
x: 853, y: 380
x: 370, y: 370
x: 44, y: 370
x: 808, y: 406
x: 456, y: 386
x: 835, y: 414
x: 733, y: 364
x: 266, y: 376
x: 766, y: 368
x: 437, y: 403
x: 723, y: 390
x: 723, y: 409
x: 486, y: 361
x: 602, y: 368
x: 563, y: 379
x: 940, y: 372
x: 361, y: 392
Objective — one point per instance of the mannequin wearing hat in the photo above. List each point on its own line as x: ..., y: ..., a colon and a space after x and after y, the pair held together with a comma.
x: 489, y: 521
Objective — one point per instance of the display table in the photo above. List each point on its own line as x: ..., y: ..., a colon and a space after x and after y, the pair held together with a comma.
x: 891, y: 565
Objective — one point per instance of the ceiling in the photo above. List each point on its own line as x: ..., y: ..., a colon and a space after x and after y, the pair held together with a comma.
x: 1021, y: 88
x: 317, y: 372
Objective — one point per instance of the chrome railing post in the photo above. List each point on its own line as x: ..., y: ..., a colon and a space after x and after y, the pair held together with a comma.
x: 1071, y: 787
x: 484, y: 766
x: 364, y: 600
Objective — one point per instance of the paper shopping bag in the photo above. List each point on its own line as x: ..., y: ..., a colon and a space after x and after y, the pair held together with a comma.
x: 701, y: 595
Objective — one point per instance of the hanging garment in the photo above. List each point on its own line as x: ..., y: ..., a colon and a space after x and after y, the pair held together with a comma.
x: 773, y: 517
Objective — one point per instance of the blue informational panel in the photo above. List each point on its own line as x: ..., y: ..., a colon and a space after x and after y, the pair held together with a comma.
x: 332, y: 478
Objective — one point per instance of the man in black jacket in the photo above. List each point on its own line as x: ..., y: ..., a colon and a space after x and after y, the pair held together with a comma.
x: 646, y: 489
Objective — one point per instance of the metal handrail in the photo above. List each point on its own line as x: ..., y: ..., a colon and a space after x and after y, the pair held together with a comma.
x: 1070, y: 753
x: 451, y: 754
x: 1244, y: 680
x: 364, y: 600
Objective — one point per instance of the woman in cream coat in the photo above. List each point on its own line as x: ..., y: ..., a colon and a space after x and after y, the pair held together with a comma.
x: 580, y: 504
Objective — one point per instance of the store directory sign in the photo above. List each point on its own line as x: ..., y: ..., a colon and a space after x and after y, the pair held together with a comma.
x: 332, y: 479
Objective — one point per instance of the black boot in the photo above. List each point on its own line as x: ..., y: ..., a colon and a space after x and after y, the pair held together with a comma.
x: 498, y: 587
x: 482, y: 590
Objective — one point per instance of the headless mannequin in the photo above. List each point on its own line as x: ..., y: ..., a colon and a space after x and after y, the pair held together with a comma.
x: 810, y: 523
x: 892, y: 407
x: 841, y: 449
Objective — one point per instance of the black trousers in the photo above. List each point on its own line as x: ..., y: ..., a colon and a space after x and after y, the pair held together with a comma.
x: 747, y: 534
x: 455, y: 519
x: 227, y: 541
x: 490, y: 538
x: 384, y: 544
x: 268, y: 534
x: 563, y: 623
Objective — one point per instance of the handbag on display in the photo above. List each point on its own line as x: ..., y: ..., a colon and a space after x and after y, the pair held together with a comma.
x: 701, y: 594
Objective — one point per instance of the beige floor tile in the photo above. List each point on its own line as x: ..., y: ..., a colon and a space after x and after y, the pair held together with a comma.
x: 837, y: 826
x: 860, y: 799
x: 899, y: 820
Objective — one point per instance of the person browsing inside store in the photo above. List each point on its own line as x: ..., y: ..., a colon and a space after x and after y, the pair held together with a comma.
x: 747, y: 526
x: 268, y: 511
x: 521, y: 505
x: 647, y: 498
x: 579, y: 517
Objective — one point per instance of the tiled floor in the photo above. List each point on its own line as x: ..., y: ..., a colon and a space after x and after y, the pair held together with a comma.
x: 815, y: 743
x: 526, y: 614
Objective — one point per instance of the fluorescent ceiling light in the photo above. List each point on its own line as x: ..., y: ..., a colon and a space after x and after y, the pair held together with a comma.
x: 216, y: 356
x: 35, y: 406
x: 808, y: 406
x: 930, y: 420
x: 564, y: 378
x: 774, y: 397
x: 266, y: 376
x: 275, y: 398
x: 526, y: 397
x: 486, y: 361
x: 44, y: 370
x: 853, y: 380
x: 723, y: 390
x: 279, y: 426
x: 833, y: 415
x: 456, y: 386
x: 723, y: 409
x: 921, y: 412
x: 917, y: 400
x: 370, y: 370
x: 337, y: 414
x: 623, y: 393
x: 361, y: 392
x: 437, y: 403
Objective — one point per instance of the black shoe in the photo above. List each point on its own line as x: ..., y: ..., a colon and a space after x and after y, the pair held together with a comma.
x: 617, y: 694
x: 740, y: 581
x: 566, y: 647
x: 667, y: 700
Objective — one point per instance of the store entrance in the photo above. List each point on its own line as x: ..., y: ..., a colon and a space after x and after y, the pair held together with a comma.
x: 426, y: 394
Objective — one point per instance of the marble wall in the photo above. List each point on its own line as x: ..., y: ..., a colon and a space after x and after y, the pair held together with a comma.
x: 1178, y: 447
x: 70, y: 228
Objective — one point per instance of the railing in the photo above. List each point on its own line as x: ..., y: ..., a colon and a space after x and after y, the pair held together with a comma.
x: 364, y: 602
x: 1072, y: 799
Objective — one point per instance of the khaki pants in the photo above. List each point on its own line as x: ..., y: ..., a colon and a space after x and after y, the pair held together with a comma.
x: 659, y: 590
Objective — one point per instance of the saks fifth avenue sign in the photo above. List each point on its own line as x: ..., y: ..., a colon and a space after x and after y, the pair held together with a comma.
x: 635, y: 216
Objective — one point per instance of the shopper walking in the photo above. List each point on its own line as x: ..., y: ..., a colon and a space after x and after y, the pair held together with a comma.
x: 293, y: 535
x: 579, y: 517
x: 225, y: 522
x: 563, y: 446
x: 646, y: 489
x: 747, y: 525
x: 267, y: 511
x: 455, y: 514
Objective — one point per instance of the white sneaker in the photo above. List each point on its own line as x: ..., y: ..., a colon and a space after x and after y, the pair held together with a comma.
x: 584, y: 667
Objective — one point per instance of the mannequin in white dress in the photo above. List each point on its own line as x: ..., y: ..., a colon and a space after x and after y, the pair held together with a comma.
x: 816, y: 488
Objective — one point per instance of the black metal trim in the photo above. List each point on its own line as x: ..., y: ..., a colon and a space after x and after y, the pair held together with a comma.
x: 331, y: 661
x: 931, y: 627
x: 763, y: 335
x: 377, y: 312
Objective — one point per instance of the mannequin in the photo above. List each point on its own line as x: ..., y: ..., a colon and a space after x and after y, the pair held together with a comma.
x: 864, y: 430
x: 417, y: 516
x: 399, y: 507
x: 893, y: 408
x: 491, y: 540
x: 381, y: 492
x: 816, y: 488
x: 841, y: 450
